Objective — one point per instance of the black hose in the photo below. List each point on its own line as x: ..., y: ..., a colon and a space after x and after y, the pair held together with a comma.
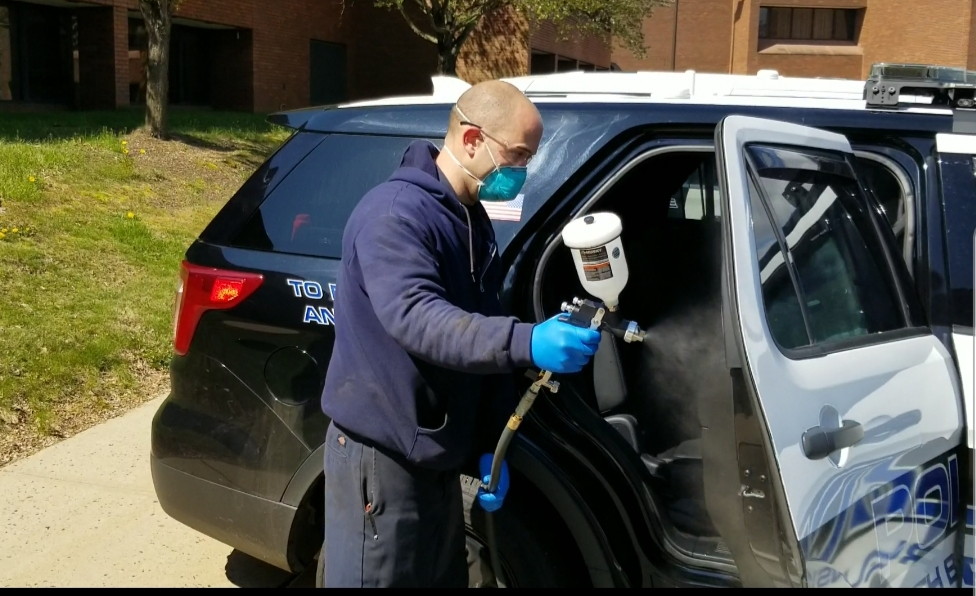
x: 528, y: 398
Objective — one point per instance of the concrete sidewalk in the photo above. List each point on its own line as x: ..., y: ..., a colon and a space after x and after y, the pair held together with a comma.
x: 83, y: 513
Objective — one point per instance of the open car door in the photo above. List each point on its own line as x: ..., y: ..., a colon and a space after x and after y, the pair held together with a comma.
x: 846, y: 429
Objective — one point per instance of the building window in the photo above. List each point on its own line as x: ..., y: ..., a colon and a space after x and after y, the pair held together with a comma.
x: 807, y: 24
x: 546, y: 62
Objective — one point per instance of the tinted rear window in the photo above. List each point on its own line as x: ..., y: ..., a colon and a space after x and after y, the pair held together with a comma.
x: 960, y: 205
x: 305, y: 214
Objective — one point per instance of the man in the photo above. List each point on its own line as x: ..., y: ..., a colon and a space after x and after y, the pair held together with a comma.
x: 422, y: 357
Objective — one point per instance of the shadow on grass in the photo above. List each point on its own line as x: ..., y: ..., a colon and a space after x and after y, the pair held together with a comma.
x: 187, y: 125
x: 242, y: 136
x: 249, y: 153
x: 53, y: 125
x: 228, y: 143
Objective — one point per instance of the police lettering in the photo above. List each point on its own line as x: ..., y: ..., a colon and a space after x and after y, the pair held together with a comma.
x: 311, y: 290
x: 320, y: 315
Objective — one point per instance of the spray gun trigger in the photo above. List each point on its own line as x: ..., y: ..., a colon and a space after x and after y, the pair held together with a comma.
x: 584, y: 313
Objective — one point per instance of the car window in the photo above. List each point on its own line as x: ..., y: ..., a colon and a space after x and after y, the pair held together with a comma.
x: 699, y: 195
x: 892, y: 192
x: 305, y: 214
x: 824, y: 274
x: 959, y: 191
x: 556, y: 171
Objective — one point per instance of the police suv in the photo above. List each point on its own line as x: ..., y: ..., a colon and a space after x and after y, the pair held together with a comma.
x: 798, y: 414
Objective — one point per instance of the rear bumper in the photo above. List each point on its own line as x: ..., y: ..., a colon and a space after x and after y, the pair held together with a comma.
x: 250, y: 524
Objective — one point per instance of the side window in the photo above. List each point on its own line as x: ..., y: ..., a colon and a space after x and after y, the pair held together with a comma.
x: 698, y: 198
x: 306, y: 213
x: 824, y: 274
x: 892, y: 191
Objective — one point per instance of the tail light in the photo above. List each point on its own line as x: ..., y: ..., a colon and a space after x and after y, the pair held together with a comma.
x: 202, y: 289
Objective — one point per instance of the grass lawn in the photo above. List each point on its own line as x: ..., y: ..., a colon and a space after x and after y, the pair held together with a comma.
x: 94, y: 219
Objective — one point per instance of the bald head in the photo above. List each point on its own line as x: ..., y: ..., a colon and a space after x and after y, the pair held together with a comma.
x: 491, y: 104
x: 491, y: 110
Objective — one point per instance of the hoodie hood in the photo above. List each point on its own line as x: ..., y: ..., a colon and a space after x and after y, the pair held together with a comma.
x: 419, y: 167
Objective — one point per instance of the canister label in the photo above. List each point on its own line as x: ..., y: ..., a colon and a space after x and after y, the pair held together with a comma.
x: 596, y: 263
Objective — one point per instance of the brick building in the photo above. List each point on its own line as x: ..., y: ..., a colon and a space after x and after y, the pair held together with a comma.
x: 261, y: 56
x: 251, y: 55
x: 817, y: 38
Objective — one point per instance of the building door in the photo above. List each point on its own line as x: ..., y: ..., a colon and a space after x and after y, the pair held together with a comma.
x: 189, y: 66
x: 327, y: 72
x: 35, y: 53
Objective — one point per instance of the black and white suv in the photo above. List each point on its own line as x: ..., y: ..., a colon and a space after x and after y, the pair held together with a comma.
x: 800, y: 257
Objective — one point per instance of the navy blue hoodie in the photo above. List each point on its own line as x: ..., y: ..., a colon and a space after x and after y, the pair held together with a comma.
x: 420, y: 339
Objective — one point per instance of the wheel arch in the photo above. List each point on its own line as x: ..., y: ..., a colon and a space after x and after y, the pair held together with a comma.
x: 305, y: 493
x: 567, y: 509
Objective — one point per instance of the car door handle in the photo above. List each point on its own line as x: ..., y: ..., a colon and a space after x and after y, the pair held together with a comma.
x: 819, y: 442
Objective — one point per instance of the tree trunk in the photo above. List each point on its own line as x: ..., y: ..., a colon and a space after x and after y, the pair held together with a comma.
x: 158, y: 18
x: 447, y: 57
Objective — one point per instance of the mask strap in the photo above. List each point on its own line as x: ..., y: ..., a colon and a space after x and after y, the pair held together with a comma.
x: 463, y: 169
x: 491, y: 156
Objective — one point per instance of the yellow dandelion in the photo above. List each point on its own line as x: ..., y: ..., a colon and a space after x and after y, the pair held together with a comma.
x: 31, y: 179
x: 14, y: 230
x: 125, y: 150
x: 2, y: 235
x: 124, y: 142
x: 130, y: 215
x: 4, y: 230
x: 142, y: 152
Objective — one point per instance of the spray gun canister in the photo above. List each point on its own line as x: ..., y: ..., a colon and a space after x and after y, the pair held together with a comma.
x: 594, y: 241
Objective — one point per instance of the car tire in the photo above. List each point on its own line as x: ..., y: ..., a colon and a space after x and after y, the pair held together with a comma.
x: 532, y: 552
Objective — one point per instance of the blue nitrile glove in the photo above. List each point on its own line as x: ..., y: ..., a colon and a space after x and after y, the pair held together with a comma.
x: 561, y: 347
x: 492, y: 501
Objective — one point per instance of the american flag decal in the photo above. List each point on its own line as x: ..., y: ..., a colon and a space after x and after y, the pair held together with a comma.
x: 504, y: 210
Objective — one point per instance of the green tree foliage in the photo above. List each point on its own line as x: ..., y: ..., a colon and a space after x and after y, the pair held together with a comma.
x: 158, y: 15
x: 614, y: 21
x: 448, y: 23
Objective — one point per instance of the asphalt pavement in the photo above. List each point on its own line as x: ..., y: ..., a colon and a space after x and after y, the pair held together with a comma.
x: 83, y: 513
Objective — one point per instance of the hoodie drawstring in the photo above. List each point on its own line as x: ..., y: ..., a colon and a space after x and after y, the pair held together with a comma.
x: 470, y: 242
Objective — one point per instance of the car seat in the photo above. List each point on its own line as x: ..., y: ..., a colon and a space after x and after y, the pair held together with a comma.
x: 652, y: 401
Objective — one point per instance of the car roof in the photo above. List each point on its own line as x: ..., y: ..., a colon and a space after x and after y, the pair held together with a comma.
x: 689, y: 92
x: 767, y: 87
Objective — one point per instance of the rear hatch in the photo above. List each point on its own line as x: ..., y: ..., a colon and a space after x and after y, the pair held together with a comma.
x: 254, y: 320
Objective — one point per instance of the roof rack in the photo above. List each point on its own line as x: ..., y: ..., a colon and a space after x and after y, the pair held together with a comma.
x: 889, y: 83
x: 892, y: 85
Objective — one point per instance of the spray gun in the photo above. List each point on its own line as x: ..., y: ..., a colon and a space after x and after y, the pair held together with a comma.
x: 594, y: 240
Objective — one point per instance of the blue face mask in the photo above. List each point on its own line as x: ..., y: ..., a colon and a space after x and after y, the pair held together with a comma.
x: 503, y: 183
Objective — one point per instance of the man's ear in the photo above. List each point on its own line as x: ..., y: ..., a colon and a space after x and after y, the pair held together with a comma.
x: 470, y: 138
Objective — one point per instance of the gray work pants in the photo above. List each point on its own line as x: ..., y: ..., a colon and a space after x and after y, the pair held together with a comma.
x: 389, y: 523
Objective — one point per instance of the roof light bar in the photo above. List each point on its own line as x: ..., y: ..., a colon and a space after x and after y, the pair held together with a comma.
x: 888, y: 85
